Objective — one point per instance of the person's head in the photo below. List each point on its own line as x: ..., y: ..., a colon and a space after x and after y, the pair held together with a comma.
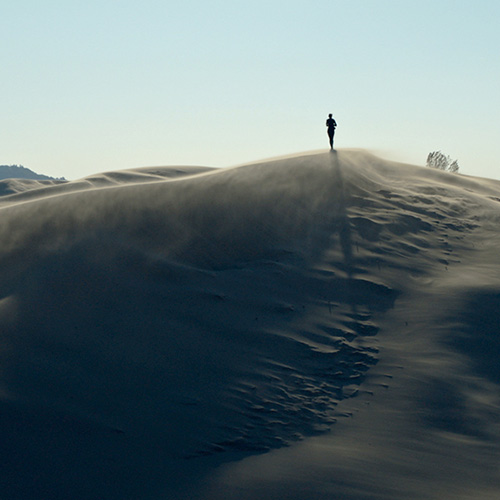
x: 330, y: 115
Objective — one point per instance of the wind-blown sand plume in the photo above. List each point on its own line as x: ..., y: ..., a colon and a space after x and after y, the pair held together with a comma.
x: 9, y: 187
x: 184, y: 332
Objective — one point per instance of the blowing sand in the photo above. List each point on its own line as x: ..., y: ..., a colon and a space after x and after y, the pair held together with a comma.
x: 313, y: 327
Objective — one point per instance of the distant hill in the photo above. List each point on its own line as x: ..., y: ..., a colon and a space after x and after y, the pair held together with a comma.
x: 20, y: 172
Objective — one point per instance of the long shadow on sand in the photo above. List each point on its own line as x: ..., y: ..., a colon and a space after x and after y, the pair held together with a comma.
x: 344, y: 226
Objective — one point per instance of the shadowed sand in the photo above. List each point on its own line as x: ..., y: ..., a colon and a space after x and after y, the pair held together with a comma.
x: 318, y: 326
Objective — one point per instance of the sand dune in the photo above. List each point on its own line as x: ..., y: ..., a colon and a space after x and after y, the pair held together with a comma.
x: 319, y: 326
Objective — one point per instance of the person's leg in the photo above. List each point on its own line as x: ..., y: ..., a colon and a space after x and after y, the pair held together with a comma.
x: 330, y: 136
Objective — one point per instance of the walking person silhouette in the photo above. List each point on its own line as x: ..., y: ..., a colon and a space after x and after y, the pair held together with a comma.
x: 331, y: 124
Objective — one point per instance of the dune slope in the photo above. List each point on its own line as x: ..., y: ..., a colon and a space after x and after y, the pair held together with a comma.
x: 302, y: 327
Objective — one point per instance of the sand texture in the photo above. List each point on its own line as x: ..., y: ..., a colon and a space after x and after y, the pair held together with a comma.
x: 321, y: 326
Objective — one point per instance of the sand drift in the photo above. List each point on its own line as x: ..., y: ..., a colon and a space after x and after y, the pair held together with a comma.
x: 320, y: 326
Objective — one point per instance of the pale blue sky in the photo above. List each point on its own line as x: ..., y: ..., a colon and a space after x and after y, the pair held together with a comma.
x: 96, y: 85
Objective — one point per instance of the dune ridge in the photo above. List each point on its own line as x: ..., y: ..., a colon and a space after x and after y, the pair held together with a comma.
x: 169, y: 320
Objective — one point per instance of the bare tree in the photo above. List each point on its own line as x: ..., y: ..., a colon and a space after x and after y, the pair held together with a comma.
x: 438, y: 160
